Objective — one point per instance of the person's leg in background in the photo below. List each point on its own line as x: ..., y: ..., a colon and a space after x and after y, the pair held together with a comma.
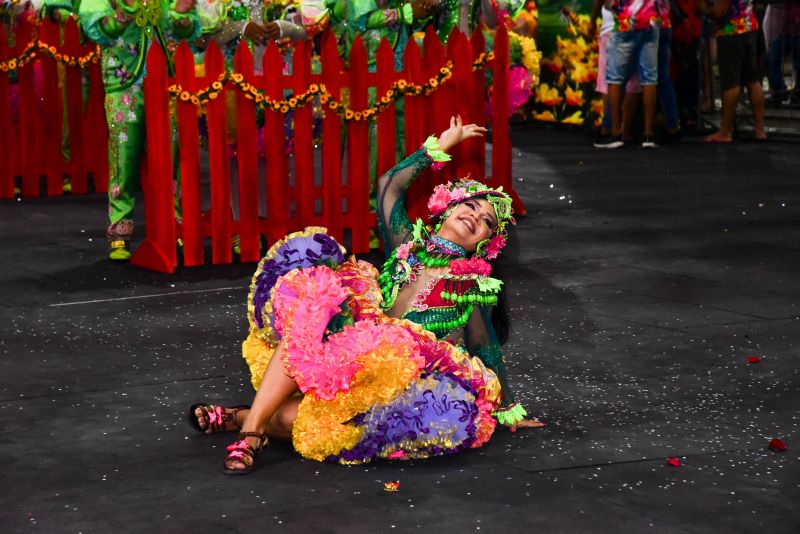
x: 666, y: 91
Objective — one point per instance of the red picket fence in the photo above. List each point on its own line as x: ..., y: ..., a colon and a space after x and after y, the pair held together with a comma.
x: 32, y: 130
x: 344, y: 203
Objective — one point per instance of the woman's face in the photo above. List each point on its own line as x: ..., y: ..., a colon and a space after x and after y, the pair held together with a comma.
x: 469, y: 223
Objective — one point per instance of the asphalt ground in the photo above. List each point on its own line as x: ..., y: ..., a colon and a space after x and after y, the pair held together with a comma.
x: 641, y: 283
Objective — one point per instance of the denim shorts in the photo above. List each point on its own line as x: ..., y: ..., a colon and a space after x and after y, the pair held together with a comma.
x: 634, y: 48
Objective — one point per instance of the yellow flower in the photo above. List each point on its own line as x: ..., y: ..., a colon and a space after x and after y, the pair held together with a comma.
x: 575, y: 118
x: 357, y: 115
x: 245, y: 86
x: 574, y: 97
x: 237, y: 77
x: 434, y: 83
x: 292, y: 102
x: 334, y: 105
x: 195, y: 101
x: 185, y: 96
x: 313, y: 88
x: 582, y: 73
x: 401, y: 84
x: 12, y: 64
x: 284, y: 109
x: 216, y: 85
x: 212, y: 95
x: 259, y: 98
x: 546, y: 116
x: 547, y: 96
x: 348, y: 114
x: 323, y: 98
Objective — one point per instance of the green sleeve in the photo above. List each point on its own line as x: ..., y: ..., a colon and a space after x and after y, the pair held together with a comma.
x: 97, y: 21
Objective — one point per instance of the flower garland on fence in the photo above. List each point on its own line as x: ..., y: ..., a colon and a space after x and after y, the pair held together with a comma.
x: 34, y: 47
x: 398, y: 87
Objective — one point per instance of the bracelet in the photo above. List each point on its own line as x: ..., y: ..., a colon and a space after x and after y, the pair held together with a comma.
x: 437, y: 156
x: 510, y: 415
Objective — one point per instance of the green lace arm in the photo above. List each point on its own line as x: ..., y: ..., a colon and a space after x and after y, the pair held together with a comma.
x: 98, y: 23
x: 394, y: 226
x: 482, y: 342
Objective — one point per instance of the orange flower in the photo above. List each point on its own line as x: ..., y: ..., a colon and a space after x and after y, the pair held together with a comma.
x: 357, y: 115
x: 292, y: 102
x: 598, y: 108
x: 216, y: 85
x: 348, y: 114
x: 554, y: 65
x: 284, y: 109
x: 333, y: 105
x: 313, y: 88
x: 574, y: 97
x: 547, y: 96
x: 212, y: 95
x: 401, y: 84
x: 245, y: 86
x: 195, y: 101
x: 259, y: 98
x: 547, y: 116
x: 237, y: 77
x: 185, y: 96
x: 323, y: 98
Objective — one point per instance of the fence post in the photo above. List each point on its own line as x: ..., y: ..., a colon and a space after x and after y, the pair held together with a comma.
x: 305, y: 194
x: 28, y: 123
x: 51, y: 157
x: 191, y: 226
x: 219, y: 163
x: 274, y: 149
x: 501, y: 146
x: 358, y: 152
x: 246, y: 137
x: 414, y: 120
x: 94, y: 130
x: 332, y: 139
x: 6, y: 172
x: 74, y: 110
x: 158, y: 250
x: 387, y: 123
x: 477, y: 101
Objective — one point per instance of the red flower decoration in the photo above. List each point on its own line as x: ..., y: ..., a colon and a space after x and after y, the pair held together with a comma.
x: 778, y: 445
x: 393, y: 485
x: 753, y: 359
x: 674, y: 462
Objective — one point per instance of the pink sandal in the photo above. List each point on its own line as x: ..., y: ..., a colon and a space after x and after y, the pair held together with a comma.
x: 243, y: 452
x: 217, y: 417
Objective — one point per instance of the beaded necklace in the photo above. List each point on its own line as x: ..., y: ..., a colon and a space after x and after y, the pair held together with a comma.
x: 466, y: 282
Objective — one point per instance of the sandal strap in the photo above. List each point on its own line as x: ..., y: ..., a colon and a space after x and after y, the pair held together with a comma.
x: 262, y: 438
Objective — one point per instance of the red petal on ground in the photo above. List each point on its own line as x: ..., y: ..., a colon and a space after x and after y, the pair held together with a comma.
x: 778, y: 445
x: 753, y: 359
x: 674, y: 462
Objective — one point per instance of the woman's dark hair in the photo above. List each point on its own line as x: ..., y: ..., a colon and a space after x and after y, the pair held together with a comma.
x: 500, y: 317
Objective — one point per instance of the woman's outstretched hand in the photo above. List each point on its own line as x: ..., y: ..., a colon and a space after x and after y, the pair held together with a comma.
x: 528, y: 423
x: 458, y: 132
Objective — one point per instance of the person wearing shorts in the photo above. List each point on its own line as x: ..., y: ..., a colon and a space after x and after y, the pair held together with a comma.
x: 737, y: 32
x: 632, y: 45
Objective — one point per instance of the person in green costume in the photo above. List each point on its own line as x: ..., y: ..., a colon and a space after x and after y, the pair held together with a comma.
x: 126, y: 29
x: 468, y: 16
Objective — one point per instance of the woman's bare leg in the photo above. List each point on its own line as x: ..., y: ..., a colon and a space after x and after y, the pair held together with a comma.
x: 282, y: 421
x: 276, y: 387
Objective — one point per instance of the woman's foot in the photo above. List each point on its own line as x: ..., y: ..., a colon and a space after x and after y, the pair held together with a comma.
x: 211, y: 418
x: 719, y: 137
x: 242, y: 453
x: 529, y: 423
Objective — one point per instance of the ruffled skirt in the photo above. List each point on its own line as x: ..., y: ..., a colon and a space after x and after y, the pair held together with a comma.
x: 373, y: 386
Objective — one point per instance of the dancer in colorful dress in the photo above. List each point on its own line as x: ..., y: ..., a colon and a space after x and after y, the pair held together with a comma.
x: 126, y: 29
x: 352, y: 364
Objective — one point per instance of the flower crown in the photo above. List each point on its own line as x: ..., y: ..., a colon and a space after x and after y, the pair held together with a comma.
x: 446, y: 196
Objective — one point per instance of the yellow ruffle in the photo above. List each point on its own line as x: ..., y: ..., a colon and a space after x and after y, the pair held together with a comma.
x: 257, y: 353
x: 321, y: 428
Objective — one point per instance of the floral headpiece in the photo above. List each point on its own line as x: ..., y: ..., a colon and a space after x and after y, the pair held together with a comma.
x: 446, y: 196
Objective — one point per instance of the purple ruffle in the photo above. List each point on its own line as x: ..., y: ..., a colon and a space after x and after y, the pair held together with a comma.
x: 420, y: 414
x: 296, y: 252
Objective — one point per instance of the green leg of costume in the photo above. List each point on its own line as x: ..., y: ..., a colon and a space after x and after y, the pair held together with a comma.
x: 126, y: 141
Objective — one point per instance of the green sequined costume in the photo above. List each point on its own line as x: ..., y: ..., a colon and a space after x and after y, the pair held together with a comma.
x: 468, y: 307
x: 126, y: 34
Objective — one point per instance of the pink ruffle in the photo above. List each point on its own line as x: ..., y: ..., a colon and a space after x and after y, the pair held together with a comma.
x: 309, y: 298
